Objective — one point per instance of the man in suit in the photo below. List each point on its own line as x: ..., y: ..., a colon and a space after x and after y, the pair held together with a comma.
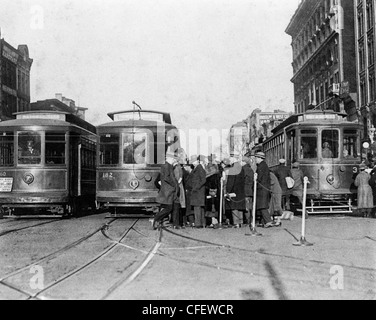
x: 198, y: 181
x: 249, y: 176
x: 263, y: 190
x: 168, y: 191
x: 236, y: 185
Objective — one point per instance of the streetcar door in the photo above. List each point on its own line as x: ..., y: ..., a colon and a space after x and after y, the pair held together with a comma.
x: 74, y: 166
x: 290, y: 147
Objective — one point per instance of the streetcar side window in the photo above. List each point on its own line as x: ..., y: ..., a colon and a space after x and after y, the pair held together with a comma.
x: 134, y: 148
x: 109, y: 149
x: 29, y: 147
x: 308, y: 144
x: 6, y: 149
x: 329, y: 144
x: 55, y: 148
x: 350, y: 144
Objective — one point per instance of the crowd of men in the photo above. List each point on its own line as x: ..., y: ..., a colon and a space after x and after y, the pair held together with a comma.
x: 190, y: 191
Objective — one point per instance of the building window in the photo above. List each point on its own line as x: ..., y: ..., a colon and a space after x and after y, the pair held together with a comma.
x: 360, y: 22
x: 372, y: 86
x: 370, y: 14
x: 362, y: 63
x: 363, y: 92
x: 335, y: 51
x: 371, y: 50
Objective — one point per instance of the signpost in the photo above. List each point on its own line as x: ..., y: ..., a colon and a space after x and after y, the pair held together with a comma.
x: 6, y: 184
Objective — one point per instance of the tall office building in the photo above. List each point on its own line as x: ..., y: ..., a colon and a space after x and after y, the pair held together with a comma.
x: 15, y: 65
x: 323, y: 46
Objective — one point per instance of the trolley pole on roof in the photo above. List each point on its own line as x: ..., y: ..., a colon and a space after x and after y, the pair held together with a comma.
x: 139, y: 108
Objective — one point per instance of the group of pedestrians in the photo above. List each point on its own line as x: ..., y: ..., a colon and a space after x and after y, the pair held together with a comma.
x: 190, y: 191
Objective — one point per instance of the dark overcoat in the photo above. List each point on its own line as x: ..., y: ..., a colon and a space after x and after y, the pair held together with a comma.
x: 169, y: 185
x: 281, y: 173
x: 235, y: 184
x: 198, y: 181
x: 249, y: 180
x: 372, y: 183
x: 263, y: 186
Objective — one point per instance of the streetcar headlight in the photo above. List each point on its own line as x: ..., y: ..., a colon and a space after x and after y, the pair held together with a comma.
x: 330, y: 179
x: 28, y: 178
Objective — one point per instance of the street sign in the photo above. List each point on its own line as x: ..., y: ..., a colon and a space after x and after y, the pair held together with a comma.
x: 344, y: 89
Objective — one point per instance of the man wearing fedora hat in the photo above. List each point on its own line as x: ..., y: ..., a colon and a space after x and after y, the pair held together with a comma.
x: 263, y: 190
x: 168, y: 191
x: 198, y: 181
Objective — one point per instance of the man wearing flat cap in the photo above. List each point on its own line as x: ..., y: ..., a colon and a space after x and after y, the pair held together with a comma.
x: 282, y: 172
x: 263, y: 190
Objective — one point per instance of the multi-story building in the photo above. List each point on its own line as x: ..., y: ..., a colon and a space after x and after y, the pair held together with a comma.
x: 239, y: 138
x: 260, y: 124
x: 365, y: 34
x: 60, y: 103
x: 323, y: 46
x: 15, y: 65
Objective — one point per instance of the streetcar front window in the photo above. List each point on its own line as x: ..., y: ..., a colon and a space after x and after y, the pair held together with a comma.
x: 29, y: 147
x: 6, y: 149
x: 350, y: 144
x: 308, y: 147
x: 109, y: 149
x: 55, y: 148
x: 134, y: 148
x: 329, y: 144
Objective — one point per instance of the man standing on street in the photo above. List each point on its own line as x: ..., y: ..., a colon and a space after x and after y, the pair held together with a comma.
x: 281, y: 173
x: 263, y: 190
x: 198, y: 181
x: 168, y: 192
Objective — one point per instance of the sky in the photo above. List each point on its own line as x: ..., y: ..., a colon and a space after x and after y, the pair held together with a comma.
x: 209, y: 63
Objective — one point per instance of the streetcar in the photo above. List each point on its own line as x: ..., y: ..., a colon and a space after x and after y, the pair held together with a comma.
x: 47, y: 164
x: 130, y: 153
x: 328, y: 149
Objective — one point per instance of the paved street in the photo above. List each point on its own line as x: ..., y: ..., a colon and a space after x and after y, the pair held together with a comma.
x: 95, y: 257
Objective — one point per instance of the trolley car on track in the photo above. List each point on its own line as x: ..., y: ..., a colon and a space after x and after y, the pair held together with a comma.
x: 328, y: 149
x: 47, y: 164
x: 131, y: 150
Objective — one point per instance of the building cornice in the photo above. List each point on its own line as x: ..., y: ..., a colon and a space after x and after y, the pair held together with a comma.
x: 301, y: 16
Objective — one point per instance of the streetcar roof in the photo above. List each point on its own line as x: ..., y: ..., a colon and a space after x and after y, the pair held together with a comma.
x: 43, y: 118
x: 135, y: 124
x: 150, y: 115
x: 313, y: 116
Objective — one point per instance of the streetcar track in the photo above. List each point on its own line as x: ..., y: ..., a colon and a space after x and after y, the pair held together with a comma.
x: 321, y: 263
x: 262, y: 252
x: 320, y: 282
x: 153, y: 252
x: 54, y: 254
x: 103, y: 228
x: 100, y: 256
x: 27, y: 227
x: 127, y: 280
